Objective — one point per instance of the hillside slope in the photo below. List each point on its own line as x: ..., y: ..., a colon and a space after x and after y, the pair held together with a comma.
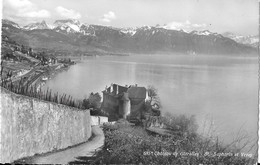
x: 76, y: 38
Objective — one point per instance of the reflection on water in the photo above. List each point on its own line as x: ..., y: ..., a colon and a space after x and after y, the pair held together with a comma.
x: 221, y: 88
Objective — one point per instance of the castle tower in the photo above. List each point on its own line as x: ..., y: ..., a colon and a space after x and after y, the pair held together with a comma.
x: 125, y: 106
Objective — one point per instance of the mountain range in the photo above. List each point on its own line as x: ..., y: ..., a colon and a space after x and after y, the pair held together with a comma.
x: 71, y: 36
x: 251, y: 40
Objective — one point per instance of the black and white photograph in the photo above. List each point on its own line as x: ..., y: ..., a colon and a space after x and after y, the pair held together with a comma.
x: 129, y: 82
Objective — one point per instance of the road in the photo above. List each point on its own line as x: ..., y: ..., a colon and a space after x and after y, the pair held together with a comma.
x: 71, y: 154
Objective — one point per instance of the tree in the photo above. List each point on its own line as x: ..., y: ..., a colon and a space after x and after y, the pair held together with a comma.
x: 23, y: 49
x: 93, y: 101
x: 183, y: 123
x: 153, y: 95
x: 30, y: 51
x: 152, y: 105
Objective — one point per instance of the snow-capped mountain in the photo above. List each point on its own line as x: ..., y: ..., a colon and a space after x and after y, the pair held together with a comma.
x: 131, y: 31
x: 67, y: 35
x: 69, y: 25
x: 11, y: 23
x: 37, y: 25
x: 203, y: 33
x: 251, y: 40
x: 167, y: 27
x: 88, y: 30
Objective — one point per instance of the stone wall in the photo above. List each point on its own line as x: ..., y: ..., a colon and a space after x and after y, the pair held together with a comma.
x: 110, y: 105
x: 124, y: 106
x: 30, y: 126
x: 137, y: 106
x: 110, y: 101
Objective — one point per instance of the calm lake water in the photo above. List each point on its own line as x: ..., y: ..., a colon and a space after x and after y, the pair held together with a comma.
x: 219, y: 90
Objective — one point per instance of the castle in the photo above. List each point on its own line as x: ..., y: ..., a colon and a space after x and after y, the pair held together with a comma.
x: 124, y: 101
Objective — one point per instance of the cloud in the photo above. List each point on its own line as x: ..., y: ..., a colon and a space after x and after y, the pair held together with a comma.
x: 67, y: 13
x: 199, y: 25
x: 18, y: 4
x: 187, y: 22
x: 23, y: 8
x: 37, y: 14
x: 108, y: 17
x: 187, y: 25
x: 175, y: 25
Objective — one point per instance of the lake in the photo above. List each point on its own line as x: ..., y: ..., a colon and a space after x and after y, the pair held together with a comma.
x: 221, y: 91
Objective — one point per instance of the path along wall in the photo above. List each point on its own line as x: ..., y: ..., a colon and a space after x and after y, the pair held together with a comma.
x: 30, y: 126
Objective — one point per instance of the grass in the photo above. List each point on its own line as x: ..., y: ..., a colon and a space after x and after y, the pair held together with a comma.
x: 127, y: 144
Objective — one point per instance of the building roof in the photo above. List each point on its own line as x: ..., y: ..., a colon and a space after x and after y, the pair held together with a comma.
x: 137, y: 92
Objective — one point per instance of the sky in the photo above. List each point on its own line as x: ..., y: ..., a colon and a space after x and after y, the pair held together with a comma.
x: 237, y: 16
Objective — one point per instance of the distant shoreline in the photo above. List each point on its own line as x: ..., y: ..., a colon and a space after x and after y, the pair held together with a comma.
x: 96, y: 54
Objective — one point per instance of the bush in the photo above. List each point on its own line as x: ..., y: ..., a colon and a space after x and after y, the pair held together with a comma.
x: 182, y: 123
x: 132, y: 145
x: 93, y: 101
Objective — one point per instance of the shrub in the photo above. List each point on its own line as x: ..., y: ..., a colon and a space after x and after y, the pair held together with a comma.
x: 182, y: 123
x: 93, y: 101
x: 132, y: 145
